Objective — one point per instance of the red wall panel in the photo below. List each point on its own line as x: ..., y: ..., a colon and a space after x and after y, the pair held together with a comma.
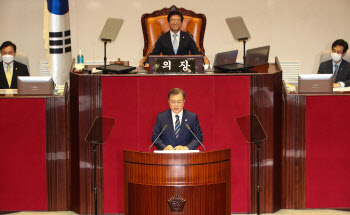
x: 23, y: 155
x: 327, y: 152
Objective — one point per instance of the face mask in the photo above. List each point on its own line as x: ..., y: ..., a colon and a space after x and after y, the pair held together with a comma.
x: 336, y: 57
x: 7, y: 58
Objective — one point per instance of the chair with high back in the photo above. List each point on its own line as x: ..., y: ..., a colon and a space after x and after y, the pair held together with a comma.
x: 156, y: 22
x: 22, y: 58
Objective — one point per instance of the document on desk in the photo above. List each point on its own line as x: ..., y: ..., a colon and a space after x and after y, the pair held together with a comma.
x: 341, y: 89
x: 175, y: 151
x: 8, y: 91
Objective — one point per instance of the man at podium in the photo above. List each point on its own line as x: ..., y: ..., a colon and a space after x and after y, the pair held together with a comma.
x: 177, y: 136
x: 175, y: 41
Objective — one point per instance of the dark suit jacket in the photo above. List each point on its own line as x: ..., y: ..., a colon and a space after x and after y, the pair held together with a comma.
x: 185, y: 136
x: 19, y: 69
x: 343, y: 74
x: 165, y: 46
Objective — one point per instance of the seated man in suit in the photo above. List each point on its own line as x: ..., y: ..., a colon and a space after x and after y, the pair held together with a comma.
x: 337, y: 66
x: 10, y: 69
x: 177, y: 137
x: 175, y: 41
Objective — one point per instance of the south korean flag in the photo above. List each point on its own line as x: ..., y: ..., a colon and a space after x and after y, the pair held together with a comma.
x: 57, y: 38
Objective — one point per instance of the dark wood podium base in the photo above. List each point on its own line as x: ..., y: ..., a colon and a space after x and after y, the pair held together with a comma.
x: 191, y: 184
x: 202, y: 199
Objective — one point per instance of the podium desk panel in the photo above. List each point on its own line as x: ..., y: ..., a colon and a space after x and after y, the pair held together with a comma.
x: 315, y: 159
x: 33, y: 153
x: 202, y: 180
x: 135, y: 100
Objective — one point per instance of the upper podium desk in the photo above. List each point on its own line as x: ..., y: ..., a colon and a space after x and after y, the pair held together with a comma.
x: 34, y: 153
x: 315, y: 165
x: 135, y: 100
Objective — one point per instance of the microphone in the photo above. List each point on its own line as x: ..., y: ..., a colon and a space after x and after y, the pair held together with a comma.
x: 209, y: 70
x: 164, y: 128
x: 142, y: 70
x: 188, y: 128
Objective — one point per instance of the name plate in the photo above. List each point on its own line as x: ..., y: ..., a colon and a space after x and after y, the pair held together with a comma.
x: 177, y: 65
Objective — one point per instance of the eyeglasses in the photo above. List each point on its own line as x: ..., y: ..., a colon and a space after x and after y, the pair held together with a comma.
x: 174, y: 102
x: 175, y: 20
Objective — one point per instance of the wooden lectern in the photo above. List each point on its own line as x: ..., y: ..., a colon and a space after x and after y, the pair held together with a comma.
x: 191, y: 183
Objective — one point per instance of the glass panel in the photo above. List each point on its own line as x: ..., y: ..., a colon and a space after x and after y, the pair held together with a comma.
x: 251, y: 128
x: 100, y: 130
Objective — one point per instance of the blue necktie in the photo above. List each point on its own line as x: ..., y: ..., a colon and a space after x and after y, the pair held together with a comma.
x: 177, y: 126
x: 175, y: 43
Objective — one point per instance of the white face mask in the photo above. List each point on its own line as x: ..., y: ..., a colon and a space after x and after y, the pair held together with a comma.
x: 336, y: 57
x: 7, y: 58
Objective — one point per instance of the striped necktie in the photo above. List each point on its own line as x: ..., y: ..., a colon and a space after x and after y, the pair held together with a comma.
x: 8, y: 76
x: 177, y: 126
x: 175, y: 43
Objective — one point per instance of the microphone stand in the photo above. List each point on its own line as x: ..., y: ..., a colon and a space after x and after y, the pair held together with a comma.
x: 209, y: 70
x: 142, y: 70
x: 164, y: 128
x: 188, y: 128
x: 258, y: 143
x: 98, y: 135
x: 255, y: 134
x: 95, y: 177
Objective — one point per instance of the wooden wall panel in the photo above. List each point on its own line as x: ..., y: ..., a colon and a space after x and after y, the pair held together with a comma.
x: 86, y: 105
x: 293, y: 153
x: 266, y: 104
x: 57, y: 154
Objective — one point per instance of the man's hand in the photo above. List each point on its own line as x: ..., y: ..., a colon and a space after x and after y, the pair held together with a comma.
x: 335, y: 85
x: 169, y: 147
x: 181, y: 148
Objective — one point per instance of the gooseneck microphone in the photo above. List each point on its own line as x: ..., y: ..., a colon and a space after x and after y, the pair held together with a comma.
x: 142, y: 70
x: 188, y: 128
x: 164, y: 128
x: 209, y: 70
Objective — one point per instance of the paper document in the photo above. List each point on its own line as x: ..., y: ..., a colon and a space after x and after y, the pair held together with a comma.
x: 175, y: 151
x: 291, y: 88
x: 341, y: 89
x: 8, y: 91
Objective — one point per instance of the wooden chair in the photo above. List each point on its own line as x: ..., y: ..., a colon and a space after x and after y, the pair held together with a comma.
x: 156, y: 22
x: 22, y: 58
